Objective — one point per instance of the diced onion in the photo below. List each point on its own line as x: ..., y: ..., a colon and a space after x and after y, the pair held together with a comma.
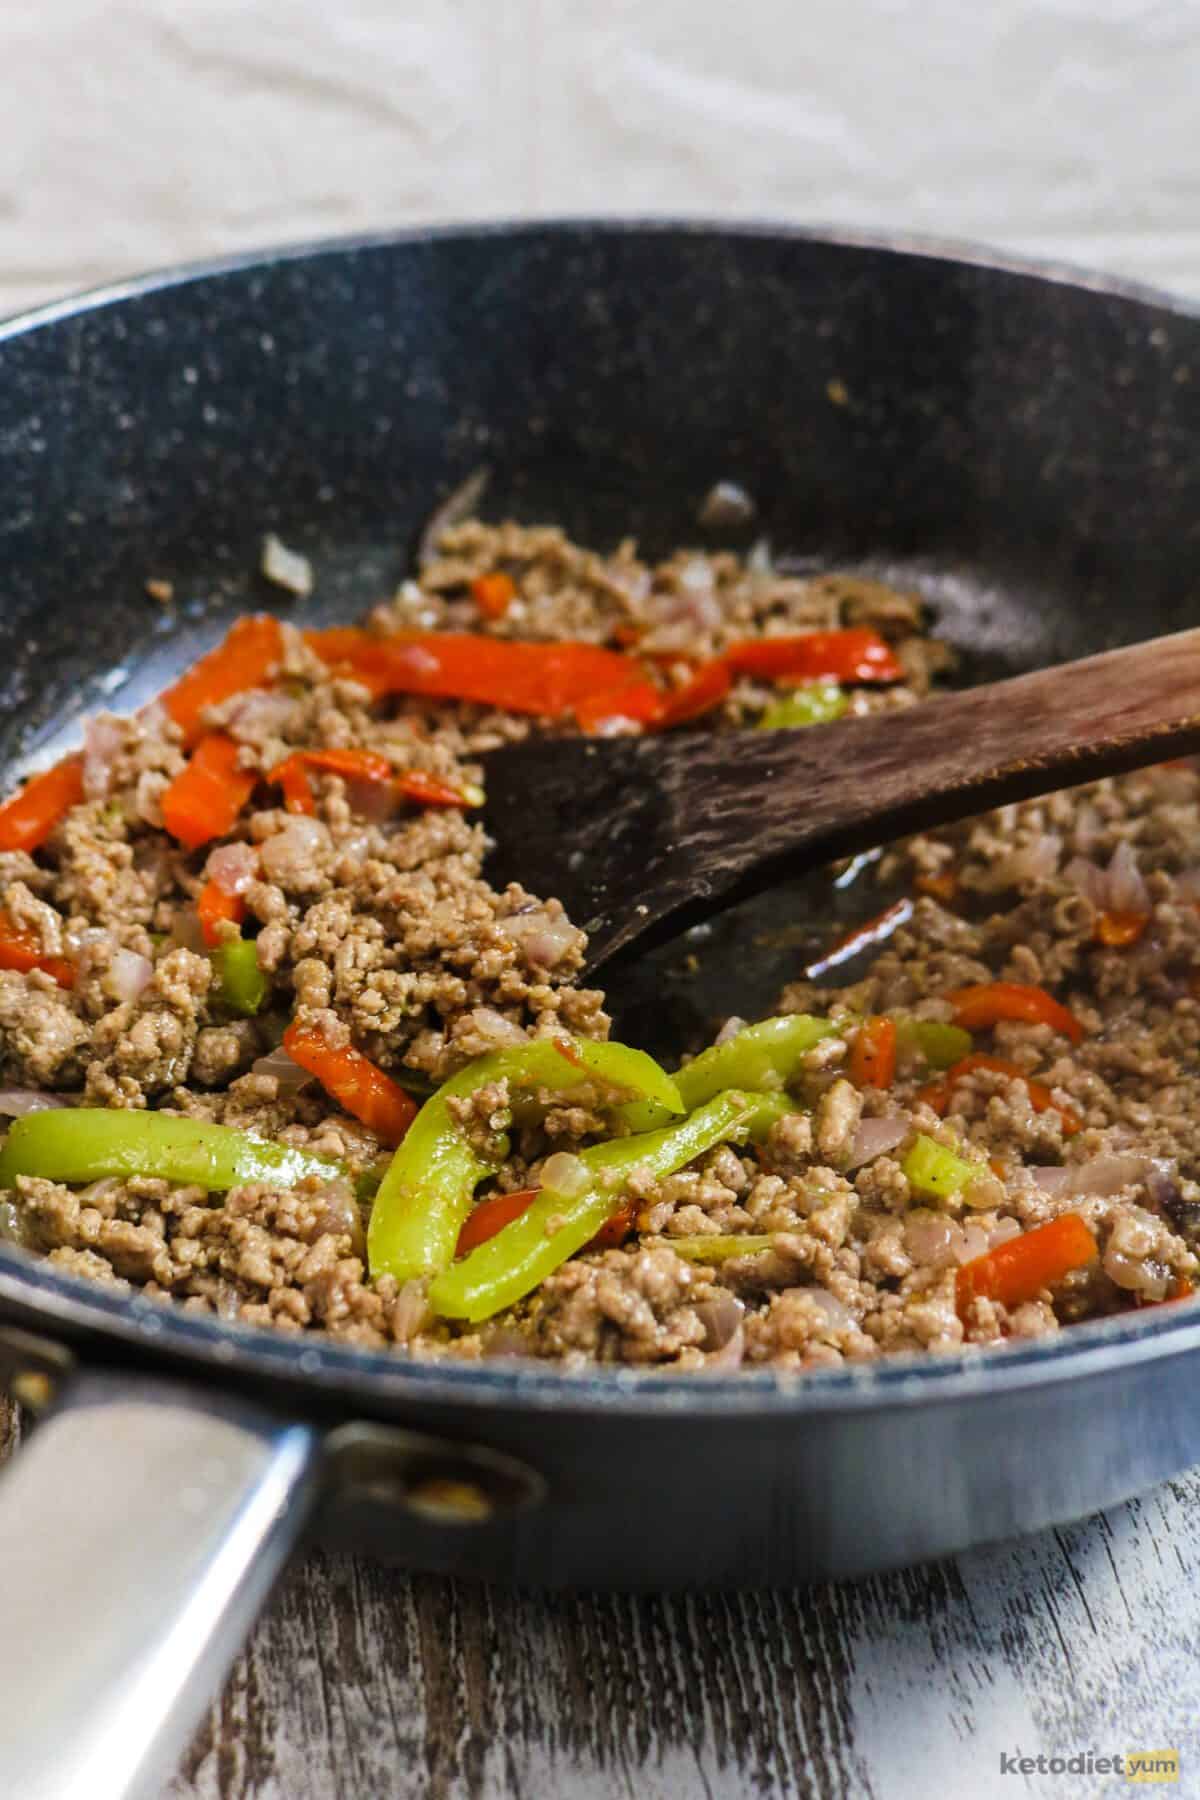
x: 16, y: 1102
x: 565, y: 1174
x: 128, y: 974
x: 457, y: 506
x: 232, y: 867
x: 875, y: 1137
x: 281, y: 1068
x: 286, y: 568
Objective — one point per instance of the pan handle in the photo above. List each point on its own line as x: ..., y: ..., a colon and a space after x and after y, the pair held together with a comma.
x: 141, y: 1529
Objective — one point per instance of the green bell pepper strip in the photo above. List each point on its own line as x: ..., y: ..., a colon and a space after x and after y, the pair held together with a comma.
x: 931, y: 1168
x: 241, y: 984
x: 554, y: 1227
x: 761, y: 1057
x: 426, y: 1194
x: 86, y: 1143
x: 940, y: 1044
x: 817, y: 704
x: 719, y: 1248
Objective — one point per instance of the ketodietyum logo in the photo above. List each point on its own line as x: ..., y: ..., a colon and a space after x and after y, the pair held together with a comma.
x: 1134, y: 1765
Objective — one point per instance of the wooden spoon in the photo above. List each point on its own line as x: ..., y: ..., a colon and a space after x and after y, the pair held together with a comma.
x: 640, y: 837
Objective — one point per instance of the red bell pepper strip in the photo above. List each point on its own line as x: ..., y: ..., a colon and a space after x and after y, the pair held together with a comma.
x: 492, y: 1215
x: 873, y: 1054
x: 430, y: 790
x: 1117, y: 930
x: 864, y: 937
x: 1018, y: 1270
x: 543, y: 680
x: 354, y: 1081
x: 855, y: 655
x: 292, y: 776
x: 636, y: 702
x: 246, y: 659
x: 707, y: 688
x: 27, y: 820
x: 494, y: 593
x: 213, y: 908
x: 204, y: 800
x: 614, y: 1231
x: 939, y: 1094
x: 943, y: 887
x: 990, y: 1001
x: 353, y: 765
x: 21, y: 950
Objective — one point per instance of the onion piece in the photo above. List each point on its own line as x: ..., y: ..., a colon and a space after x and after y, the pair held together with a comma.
x: 282, y: 1069
x: 128, y: 974
x: 1127, y: 890
x: 232, y: 867
x: 565, y: 1174
x: 1102, y: 1176
x: 725, y: 506
x: 721, y: 1317
x: 103, y: 736
x: 457, y: 506
x: 286, y: 568
x: 730, y: 1029
x: 16, y: 1102
x: 875, y: 1137
x: 544, y: 939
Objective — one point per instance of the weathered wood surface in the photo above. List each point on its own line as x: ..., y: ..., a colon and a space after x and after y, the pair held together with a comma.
x: 362, y: 1684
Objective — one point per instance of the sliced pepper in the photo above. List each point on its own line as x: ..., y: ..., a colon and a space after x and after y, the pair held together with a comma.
x: 854, y: 655
x: 818, y: 704
x: 931, y: 1168
x: 489, y: 1216
x: 759, y: 1057
x: 632, y: 702
x: 1117, y: 930
x: 205, y: 798
x: 544, y: 680
x: 708, y: 687
x: 939, y: 1044
x: 721, y: 1247
x: 292, y: 776
x: 939, y: 1094
x: 1019, y: 1269
x: 21, y: 950
x: 246, y: 659
x: 942, y: 887
x: 990, y: 1001
x: 425, y: 1197
x: 354, y: 1081
x: 27, y: 820
x: 241, y: 984
x: 214, y: 908
x: 494, y: 593
x: 873, y: 1054
x: 82, y: 1144
x: 430, y: 790
x: 554, y: 1227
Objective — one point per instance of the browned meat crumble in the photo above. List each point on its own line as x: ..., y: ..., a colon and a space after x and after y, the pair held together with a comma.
x: 382, y: 931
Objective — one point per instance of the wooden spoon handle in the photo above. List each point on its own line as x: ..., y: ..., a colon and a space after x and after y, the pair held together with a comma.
x: 676, y: 827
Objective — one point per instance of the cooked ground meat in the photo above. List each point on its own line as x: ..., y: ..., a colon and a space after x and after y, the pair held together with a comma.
x: 374, y: 927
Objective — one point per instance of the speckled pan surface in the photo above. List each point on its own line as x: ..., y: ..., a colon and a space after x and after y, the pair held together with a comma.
x: 1023, y: 447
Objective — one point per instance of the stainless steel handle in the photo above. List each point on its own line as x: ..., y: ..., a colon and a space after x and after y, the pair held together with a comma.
x: 141, y: 1528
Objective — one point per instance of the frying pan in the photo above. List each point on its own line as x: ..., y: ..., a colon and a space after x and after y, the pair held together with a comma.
x: 1022, y: 445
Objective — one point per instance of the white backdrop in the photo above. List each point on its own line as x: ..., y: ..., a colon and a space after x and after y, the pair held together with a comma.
x: 135, y: 134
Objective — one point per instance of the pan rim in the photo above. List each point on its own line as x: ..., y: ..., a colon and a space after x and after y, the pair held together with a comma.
x: 1059, y: 272
x: 160, y: 1329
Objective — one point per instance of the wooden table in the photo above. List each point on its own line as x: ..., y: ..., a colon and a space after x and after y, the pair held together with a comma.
x: 362, y: 1684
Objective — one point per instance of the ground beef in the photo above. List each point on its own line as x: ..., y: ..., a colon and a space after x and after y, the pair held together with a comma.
x: 374, y: 925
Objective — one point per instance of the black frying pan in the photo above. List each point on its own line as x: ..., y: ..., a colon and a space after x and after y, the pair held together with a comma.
x: 1022, y: 445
